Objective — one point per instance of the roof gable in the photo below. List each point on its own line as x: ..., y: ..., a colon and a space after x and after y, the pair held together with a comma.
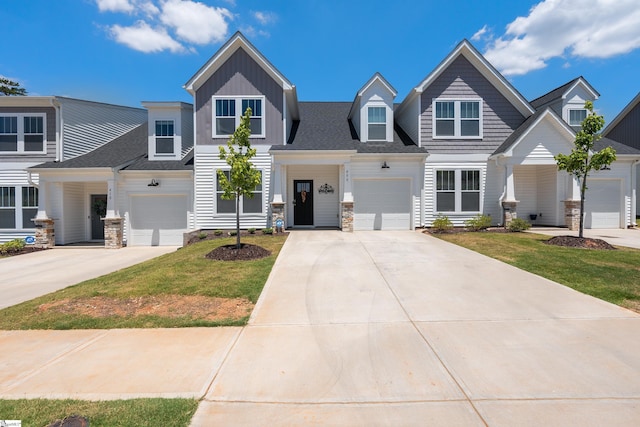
x: 635, y: 103
x: 561, y: 92
x: 377, y: 78
x: 466, y: 49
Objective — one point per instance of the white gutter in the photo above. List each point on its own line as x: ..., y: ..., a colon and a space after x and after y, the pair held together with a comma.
x: 56, y: 105
x: 30, y: 180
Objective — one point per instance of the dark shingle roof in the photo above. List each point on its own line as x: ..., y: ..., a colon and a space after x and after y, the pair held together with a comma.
x: 324, y: 126
x: 554, y: 94
x: 129, y: 148
x: 621, y: 149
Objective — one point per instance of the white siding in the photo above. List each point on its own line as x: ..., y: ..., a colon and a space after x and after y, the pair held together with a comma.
x: 493, y: 189
x: 542, y: 143
x: 74, y: 214
x: 548, y: 198
x: 206, y: 163
x: 15, y: 178
x: 526, y: 186
x: 326, y: 207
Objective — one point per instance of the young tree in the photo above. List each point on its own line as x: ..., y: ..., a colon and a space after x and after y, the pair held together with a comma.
x: 9, y: 88
x: 583, y: 159
x: 243, y: 177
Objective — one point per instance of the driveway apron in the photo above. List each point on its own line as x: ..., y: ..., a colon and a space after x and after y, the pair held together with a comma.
x: 400, y: 328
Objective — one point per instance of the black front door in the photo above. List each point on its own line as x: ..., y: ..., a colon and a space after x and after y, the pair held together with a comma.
x: 303, y: 202
x: 98, y: 211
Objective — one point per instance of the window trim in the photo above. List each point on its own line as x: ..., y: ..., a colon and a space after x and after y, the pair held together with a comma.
x: 458, y: 190
x: 20, y: 148
x: 457, y: 119
x: 20, y: 204
x: 156, y: 136
x: 569, y: 116
x: 238, y: 114
x: 382, y: 123
x: 242, y: 213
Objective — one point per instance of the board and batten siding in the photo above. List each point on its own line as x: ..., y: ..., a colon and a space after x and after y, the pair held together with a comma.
x: 326, y: 206
x: 240, y: 75
x: 207, y: 162
x: 50, y: 135
x: 87, y: 125
x: 461, y: 80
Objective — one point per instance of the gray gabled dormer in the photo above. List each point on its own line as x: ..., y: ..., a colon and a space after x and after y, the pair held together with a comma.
x: 372, y: 110
x: 568, y: 101
x: 170, y: 129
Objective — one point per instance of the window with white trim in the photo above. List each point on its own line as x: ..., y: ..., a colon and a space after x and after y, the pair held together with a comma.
x: 165, y: 131
x: 457, y: 118
x: 248, y: 205
x: 377, y: 126
x: 22, y: 133
x: 29, y: 206
x: 458, y: 190
x: 229, y: 110
x: 577, y: 116
x: 7, y: 207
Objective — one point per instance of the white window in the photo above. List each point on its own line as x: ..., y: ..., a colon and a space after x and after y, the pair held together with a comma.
x: 377, y: 117
x: 164, y: 137
x: 29, y: 206
x: 457, y: 119
x: 458, y: 190
x: 22, y: 133
x: 248, y: 205
x: 18, y: 206
x: 229, y: 110
x: 577, y: 116
x: 7, y: 207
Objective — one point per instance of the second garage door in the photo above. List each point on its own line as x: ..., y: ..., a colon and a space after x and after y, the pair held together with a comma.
x: 602, y: 203
x: 158, y: 220
x: 382, y: 204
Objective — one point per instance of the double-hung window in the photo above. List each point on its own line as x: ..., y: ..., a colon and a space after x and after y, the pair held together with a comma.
x: 253, y: 205
x: 377, y: 126
x: 229, y: 110
x: 7, y: 207
x: 29, y: 206
x: 458, y: 190
x: 164, y: 136
x: 22, y: 133
x: 576, y: 117
x: 457, y: 118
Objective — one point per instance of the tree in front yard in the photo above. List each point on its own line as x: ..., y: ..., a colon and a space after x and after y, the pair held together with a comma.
x: 583, y: 159
x: 243, y: 177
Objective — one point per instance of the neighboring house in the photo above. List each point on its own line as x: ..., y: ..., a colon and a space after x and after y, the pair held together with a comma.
x: 34, y: 130
x: 625, y: 129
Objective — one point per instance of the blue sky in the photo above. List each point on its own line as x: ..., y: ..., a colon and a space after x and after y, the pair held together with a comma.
x: 128, y: 51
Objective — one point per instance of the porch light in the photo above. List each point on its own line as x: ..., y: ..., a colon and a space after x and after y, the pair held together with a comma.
x: 385, y: 165
x: 153, y: 183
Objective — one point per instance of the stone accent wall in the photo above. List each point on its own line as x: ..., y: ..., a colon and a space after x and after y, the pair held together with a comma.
x: 572, y: 214
x: 347, y: 216
x: 277, y: 213
x: 113, y: 233
x: 45, y: 233
x: 510, y: 212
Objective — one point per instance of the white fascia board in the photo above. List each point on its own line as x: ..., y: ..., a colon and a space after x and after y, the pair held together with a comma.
x: 26, y: 101
x: 555, y: 121
x: 378, y: 77
x: 459, y: 158
x: 391, y: 155
x: 165, y: 173
x: 585, y: 84
x: 70, y: 175
x: 626, y: 110
x: 170, y: 105
x: 237, y: 41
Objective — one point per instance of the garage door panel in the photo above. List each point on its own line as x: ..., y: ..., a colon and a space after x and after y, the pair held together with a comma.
x: 158, y: 220
x: 602, y: 204
x: 382, y: 205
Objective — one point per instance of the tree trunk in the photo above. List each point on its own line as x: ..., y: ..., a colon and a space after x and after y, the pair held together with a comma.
x: 237, y: 221
x: 583, y: 189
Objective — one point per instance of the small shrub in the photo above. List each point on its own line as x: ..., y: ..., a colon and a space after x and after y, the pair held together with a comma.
x: 267, y: 230
x: 13, y: 246
x: 218, y: 233
x: 252, y: 231
x: 518, y: 224
x: 441, y: 224
x: 478, y: 223
x: 202, y: 235
x: 233, y: 233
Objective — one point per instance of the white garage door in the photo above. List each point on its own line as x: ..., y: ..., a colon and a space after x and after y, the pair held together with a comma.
x: 602, y: 203
x: 158, y: 220
x: 382, y: 205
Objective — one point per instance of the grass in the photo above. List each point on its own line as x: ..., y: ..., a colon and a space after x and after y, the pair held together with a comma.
x: 613, y: 276
x: 184, y: 272
x: 117, y: 413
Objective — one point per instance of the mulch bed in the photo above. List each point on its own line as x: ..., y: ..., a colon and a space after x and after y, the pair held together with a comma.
x: 246, y: 252
x: 25, y: 250
x: 579, y: 242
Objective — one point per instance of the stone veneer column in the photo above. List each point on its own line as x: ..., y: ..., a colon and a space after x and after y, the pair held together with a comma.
x: 277, y: 213
x: 572, y: 214
x: 510, y: 212
x: 347, y: 216
x: 112, y: 233
x: 45, y: 233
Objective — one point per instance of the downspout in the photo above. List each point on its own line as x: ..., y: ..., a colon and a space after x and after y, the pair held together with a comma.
x: 56, y: 105
x: 30, y: 180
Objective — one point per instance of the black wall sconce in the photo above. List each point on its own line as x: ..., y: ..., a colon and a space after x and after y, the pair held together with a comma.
x: 385, y: 165
x: 153, y: 183
x: 325, y: 189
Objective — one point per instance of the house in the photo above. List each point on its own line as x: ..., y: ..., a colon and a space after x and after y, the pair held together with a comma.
x: 463, y: 142
x: 625, y: 129
x: 51, y: 129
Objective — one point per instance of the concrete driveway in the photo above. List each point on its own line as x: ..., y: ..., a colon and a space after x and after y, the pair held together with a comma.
x: 25, y: 277
x: 629, y: 237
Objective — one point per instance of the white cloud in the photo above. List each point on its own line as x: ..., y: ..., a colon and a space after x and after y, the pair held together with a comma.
x: 560, y: 28
x: 115, y: 6
x: 195, y: 22
x: 265, y: 17
x: 143, y: 38
x: 481, y: 32
x: 149, y: 9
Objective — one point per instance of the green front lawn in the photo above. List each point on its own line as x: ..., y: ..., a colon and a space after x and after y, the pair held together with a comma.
x: 180, y: 276
x: 613, y: 276
x: 117, y: 413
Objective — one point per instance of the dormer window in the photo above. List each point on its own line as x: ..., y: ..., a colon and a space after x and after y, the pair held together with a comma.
x: 229, y: 111
x: 576, y: 117
x: 457, y: 119
x: 164, y: 137
x: 377, y: 123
